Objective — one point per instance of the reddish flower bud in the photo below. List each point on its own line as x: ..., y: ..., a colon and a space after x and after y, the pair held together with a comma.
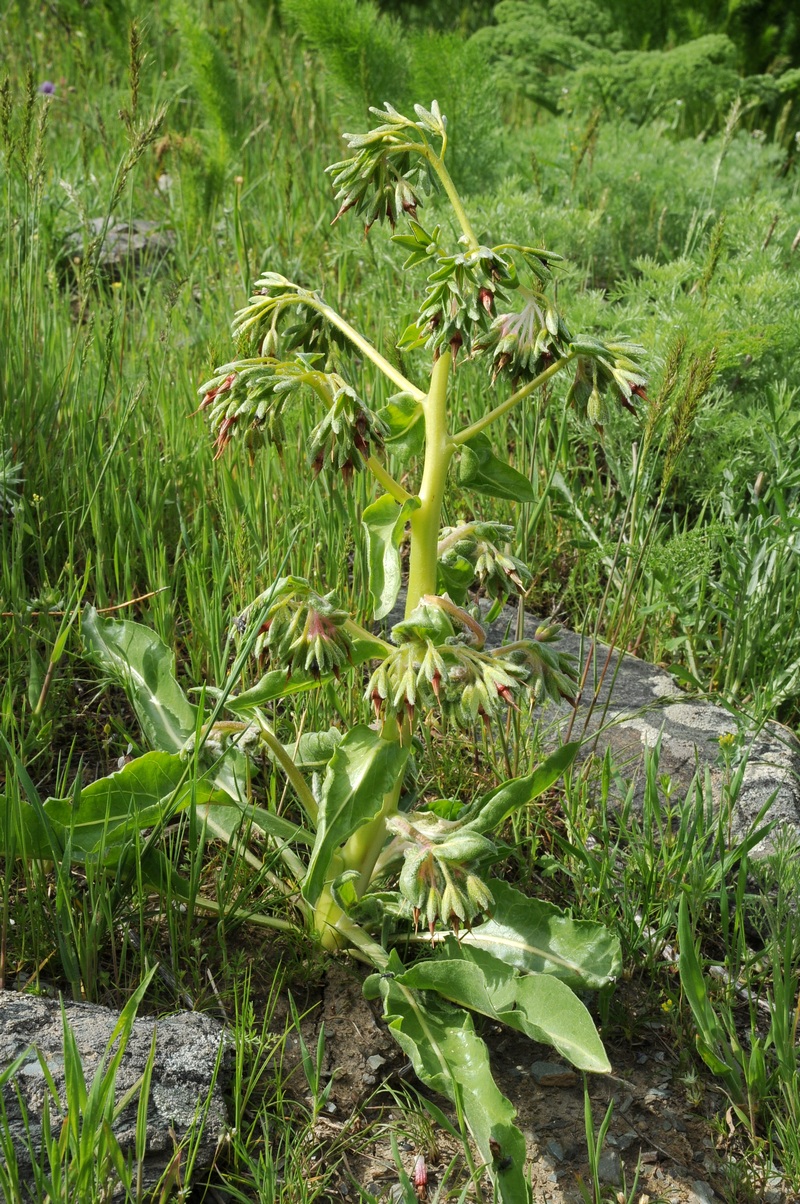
x: 486, y: 299
x: 419, y: 1173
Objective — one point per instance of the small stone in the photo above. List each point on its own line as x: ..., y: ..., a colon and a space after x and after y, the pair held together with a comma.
x: 552, y: 1074
x: 555, y: 1149
x: 624, y: 1104
x: 375, y: 1062
x: 369, y: 1080
x: 609, y: 1167
x: 701, y: 1193
x: 642, y: 1059
x: 626, y: 1140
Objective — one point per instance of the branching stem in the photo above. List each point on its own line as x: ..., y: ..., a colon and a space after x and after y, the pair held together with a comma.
x: 469, y: 432
x: 386, y: 479
x: 296, y: 779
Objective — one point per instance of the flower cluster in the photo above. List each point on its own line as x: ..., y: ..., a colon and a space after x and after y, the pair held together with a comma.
x: 436, y: 879
x: 343, y: 435
x: 523, y: 343
x: 388, y: 175
x: 252, y: 393
x: 470, y: 553
x: 301, y: 632
x: 438, y: 668
x: 605, y: 370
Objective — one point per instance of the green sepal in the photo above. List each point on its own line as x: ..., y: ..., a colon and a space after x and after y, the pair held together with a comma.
x: 280, y: 684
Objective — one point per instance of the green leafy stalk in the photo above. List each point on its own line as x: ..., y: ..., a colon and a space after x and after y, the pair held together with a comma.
x: 427, y: 519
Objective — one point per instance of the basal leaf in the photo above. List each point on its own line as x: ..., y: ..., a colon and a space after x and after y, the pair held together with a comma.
x: 361, y: 771
x: 536, y: 937
x: 141, y: 659
x: 106, y: 813
x: 539, y: 1005
x: 448, y: 1055
x: 385, y: 522
x: 137, y: 796
x: 480, y: 470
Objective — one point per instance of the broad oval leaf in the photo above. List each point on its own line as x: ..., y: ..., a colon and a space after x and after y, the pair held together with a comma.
x: 539, y: 1005
x: 536, y: 937
x: 404, y: 419
x: 145, y: 664
x: 480, y: 469
x: 449, y: 1056
x: 384, y: 521
x: 103, y: 816
x: 361, y: 771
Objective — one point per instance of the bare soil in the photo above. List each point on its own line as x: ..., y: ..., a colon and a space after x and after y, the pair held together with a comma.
x: 670, y: 1130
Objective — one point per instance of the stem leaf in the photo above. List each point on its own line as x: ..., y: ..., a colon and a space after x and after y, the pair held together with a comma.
x: 534, y: 936
x: 450, y: 1057
x: 480, y: 470
x: 538, y: 1005
x: 384, y: 521
x: 361, y: 771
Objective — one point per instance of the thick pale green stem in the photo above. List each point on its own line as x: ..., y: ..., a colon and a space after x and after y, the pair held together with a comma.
x: 426, y: 520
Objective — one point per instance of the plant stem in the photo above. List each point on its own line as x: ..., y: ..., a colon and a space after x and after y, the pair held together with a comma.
x: 426, y: 519
x: 362, y: 344
x: 438, y: 166
x: 462, y: 532
x: 386, y: 479
x: 365, y: 846
x: 296, y: 779
x: 469, y: 432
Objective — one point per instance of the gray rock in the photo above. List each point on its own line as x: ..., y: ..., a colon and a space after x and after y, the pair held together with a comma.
x: 609, y: 1167
x: 639, y: 705
x: 188, y: 1047
x: 552, y: 1074
x: 138, y: 244
x: 701, y: 1193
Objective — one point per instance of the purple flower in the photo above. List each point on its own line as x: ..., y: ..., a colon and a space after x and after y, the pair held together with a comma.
x: 47, y: 88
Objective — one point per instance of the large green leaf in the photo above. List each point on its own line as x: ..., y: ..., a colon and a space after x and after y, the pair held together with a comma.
x: 450, y: 1057
x: 362, y: 770
x: 488, y: 812
x: 538, y: 1005
x: 141, y: 659
x: 403, y: 417
x: 385, y: 522
x: 104, y: 815
x: 480, y: 469
x: 536, y: 937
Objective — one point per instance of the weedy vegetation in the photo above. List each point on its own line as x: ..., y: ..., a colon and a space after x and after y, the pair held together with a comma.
x: 247, y: 694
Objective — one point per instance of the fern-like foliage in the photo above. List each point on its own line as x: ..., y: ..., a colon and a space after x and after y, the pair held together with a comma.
x: 369, y: 54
